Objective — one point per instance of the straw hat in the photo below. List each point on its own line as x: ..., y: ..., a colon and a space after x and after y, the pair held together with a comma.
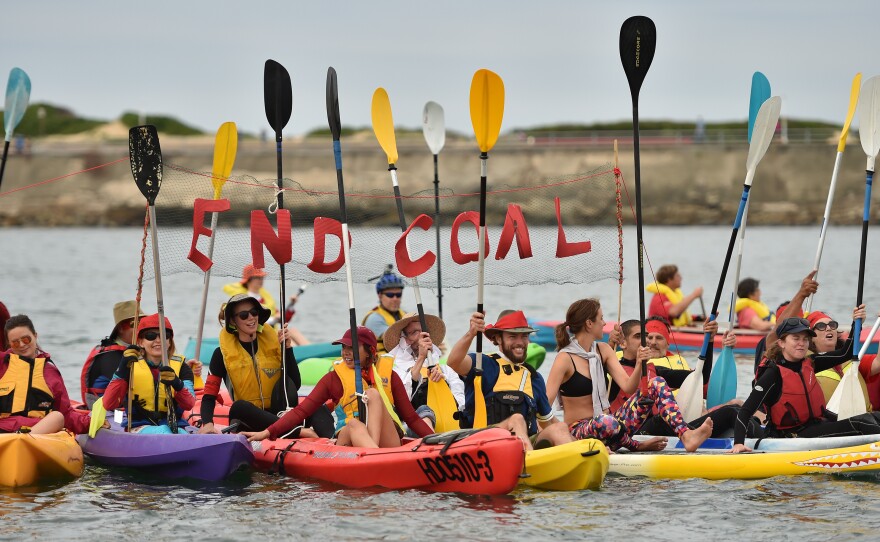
x: 436, y: 329
x: 123, y: 312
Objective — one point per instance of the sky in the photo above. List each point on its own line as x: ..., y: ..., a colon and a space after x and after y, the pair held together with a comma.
x: 202, y: 62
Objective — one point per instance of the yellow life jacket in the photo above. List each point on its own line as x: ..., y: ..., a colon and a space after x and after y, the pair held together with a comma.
x: 250, y: 379
x: 512, y: 393
x: 673, y: 361
x: 265, y: 300
x: 382, y: 370
x: 675, y: 296
x: 762, y: 310
x: 145, y: 386
x: 23, y: 389
x: 390, y: 318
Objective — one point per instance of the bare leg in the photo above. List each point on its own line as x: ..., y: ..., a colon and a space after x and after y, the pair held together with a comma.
x: 557, y: 433
x: 692, y: 438
x: 653, y: 444
x: 516, y: 424
x: 359, y: 434
x: 343, y: 438
x: 379, y: 423
x: 307, y: 432
x: 52, y: 423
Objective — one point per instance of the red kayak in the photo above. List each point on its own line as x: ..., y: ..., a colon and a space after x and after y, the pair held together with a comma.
x: 483, y: 462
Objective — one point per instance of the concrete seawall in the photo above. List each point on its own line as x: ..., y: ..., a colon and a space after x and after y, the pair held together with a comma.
x: 681, y: 184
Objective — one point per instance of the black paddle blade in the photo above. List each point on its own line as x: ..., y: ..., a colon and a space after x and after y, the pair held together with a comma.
x: 333, y: 104
x: 277, y: 95
x: 146, y: 160
x: 638, y: 40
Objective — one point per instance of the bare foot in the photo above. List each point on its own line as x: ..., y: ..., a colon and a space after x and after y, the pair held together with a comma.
x: 692, y: 438
x: 653, y: 445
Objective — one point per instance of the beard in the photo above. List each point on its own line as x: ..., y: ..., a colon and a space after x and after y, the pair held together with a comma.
x: 511, y: 356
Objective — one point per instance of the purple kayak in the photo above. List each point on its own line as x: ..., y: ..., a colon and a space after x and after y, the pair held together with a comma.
x: 204, y: 457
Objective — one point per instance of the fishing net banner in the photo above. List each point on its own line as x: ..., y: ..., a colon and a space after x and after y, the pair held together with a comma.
x: 560, y: 230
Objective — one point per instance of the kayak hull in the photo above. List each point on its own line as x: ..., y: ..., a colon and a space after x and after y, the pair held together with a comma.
x: 487, y: 462
x: 854, y: 460
x: 774, y: 444
x: 575, y: 466
x: 203, y: 457
x: 27, y: 459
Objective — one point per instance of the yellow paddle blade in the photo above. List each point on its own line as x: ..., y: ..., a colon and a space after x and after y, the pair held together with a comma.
x: 99, y: 414
x: 487, y: 107
x: 225, y: 147
x: 853, y: 102
x: 479, y: 404
x: 383, y: 124
x: 443, y: 404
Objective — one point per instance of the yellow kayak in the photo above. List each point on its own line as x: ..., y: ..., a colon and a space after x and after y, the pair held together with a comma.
x: 26, y: 459
x: 863, y: 459
x: 581, y: 464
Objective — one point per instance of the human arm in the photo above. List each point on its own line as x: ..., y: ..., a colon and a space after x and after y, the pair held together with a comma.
x: 764, y: 392
x: 329, y: 387
x: 212, y: 388
x: 795, y: 308
x: 378, y: 326
x: 458, y: 360
x: 456, y: 385
x: 676, y: 309
x: 184, y: 395
x: 74, y: 420
x: 560, y: 371
x: 544, y: 410
x: 627, y: 383
x: 405, y: 409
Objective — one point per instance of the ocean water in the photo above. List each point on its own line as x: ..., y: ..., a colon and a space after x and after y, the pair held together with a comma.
x: 68, y: 279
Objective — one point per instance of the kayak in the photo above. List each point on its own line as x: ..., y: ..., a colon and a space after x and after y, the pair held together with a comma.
x: 774, y: 444
x: 203, y: 457
x: 581, y: 464
x: 26, y: 458
x: 482, y: 462
x: 718, y: 465
x: 302, y: 352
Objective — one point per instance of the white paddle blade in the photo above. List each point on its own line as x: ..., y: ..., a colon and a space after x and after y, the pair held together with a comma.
x: 690, y: 394
x: 869, y: 118
x: 762, y: 132
x: 434, y: 127
x: 18, y: 94
x: 848, y: 399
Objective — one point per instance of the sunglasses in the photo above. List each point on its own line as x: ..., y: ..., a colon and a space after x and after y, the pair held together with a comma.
x: 153, y: 335
x: 822, y: 326
x: 24, y: 341
x: 244, y: 314
x: 390, y: 294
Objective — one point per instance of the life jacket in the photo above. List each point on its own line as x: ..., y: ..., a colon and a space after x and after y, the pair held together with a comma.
x: 265, y: 298
x: 24, y: 390
x: 674, y: 296
x: 86, y: 382
x: 144, y: 386
x: 390, y: 318
x: 762, y: 310
x: 247, y: 378
x: 381, y: 370
x: 511, y: 394
x: 671, y: 361
x: 800, y: 400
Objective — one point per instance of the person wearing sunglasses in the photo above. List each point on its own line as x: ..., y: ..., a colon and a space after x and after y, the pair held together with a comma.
x: 389, y: 289
x: 102, y: 361
x: 786, y: 385
x: 248, y: 361
x: 32, y: 393
x: 251, y: 284
x: 142, y: 374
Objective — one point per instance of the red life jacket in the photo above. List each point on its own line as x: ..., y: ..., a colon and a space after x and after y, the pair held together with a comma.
x: 87, y: 367
x: 871, y: 382
x: 801, y: 398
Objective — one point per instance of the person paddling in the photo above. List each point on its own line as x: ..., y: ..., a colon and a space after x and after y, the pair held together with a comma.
x: 389, y: 289
x: 32, y: 393
x: 142, y: 367
x: 248, y: 360
x: 578, y: 376
x: 102, y: 361
x: 514, y: 393
x: 669, y: 302
x: 786, y: 386
x: 384, y: 398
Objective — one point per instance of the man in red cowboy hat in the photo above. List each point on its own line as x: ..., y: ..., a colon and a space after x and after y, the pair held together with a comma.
x: 515, y: 394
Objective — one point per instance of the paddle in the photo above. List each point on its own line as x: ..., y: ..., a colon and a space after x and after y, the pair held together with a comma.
x: 225, y: 148
x: 852, y: 400
x: 146, y: 168
x: 619, y: 205
x: 18, y: 93
x: 722, y: 379
x: 762, y: 135
x: 434, y: 130
x: 638, y: 40
x: 487, y: 111
x: 336, y: 129
x: 278, y: 101
x: 841, y: 146
x: 837, y: 398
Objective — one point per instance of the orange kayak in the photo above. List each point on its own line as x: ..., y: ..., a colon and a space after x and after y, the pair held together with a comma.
x: 26, y: 459
x: 487, y: 462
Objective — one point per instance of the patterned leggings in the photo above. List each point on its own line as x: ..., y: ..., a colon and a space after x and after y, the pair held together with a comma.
x: 616, y: 430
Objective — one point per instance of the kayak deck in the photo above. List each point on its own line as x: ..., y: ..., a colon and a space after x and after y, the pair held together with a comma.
x: 26, y: 458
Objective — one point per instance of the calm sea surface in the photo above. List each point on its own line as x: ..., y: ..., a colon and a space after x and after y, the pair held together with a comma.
x: 68, y: 279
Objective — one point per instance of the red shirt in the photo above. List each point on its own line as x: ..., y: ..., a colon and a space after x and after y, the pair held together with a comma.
x: 871, y: 382
x: 658, y: 307
x: 118, y: 389
x: 330, y: 388
x: 75, y: 421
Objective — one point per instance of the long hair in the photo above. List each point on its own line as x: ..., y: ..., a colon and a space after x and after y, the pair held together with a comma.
x: 575, y: 318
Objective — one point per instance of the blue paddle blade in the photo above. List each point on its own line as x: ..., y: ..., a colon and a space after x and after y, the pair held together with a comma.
x: 760, y: 94
x: 722, y: 381
x: 18, y: 93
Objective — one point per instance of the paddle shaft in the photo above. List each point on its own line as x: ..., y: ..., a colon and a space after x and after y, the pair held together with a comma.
x: 205, y: 285
x: 738, y: 268
x: 280, y: 199
x: 825, y: 220
x: 481, y: 265
x: 639, y: 238
x: 857, y: 327
x: 437, y: 231
x: 3, y: 164
x: 160, y: 308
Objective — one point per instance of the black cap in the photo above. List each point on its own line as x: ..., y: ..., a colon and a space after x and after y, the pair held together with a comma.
x: 793, y: 325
